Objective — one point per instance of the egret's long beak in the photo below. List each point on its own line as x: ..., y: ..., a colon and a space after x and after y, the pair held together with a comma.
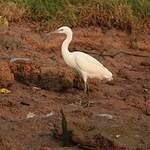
x: 53, y: 32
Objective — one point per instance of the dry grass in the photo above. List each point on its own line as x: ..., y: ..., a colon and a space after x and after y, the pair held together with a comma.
x: 12, y: 11
x: 127, y: 15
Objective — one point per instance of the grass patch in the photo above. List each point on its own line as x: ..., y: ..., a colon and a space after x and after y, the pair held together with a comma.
x: 123, y: 14
x: 12, y: 11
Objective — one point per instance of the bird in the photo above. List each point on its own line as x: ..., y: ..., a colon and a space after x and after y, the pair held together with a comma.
x: 86, y: 65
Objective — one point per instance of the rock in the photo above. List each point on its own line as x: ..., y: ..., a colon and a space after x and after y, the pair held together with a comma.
x: 6, y: 76
x: 117, y: 136
x: 30, y: 115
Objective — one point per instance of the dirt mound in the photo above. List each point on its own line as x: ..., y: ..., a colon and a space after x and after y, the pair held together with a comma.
x: 26, y: 71
x: 6, y: 76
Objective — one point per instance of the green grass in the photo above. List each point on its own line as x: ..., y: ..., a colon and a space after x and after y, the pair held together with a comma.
x: 122, y: 14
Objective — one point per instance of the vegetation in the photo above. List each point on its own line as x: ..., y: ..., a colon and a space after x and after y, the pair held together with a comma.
x: 122, y: 14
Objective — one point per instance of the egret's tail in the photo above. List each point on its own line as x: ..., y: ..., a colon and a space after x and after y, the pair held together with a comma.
x: 109, y: 79
x: 108, y: 75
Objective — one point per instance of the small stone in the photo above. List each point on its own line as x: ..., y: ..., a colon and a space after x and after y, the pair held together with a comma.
x: 30, y: 115
x: 145, y: 90
x: 49, y: 114
x: 117, y: 136
x: 105, y: 115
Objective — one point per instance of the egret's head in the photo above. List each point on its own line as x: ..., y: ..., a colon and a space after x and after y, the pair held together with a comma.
x: 65, y: 30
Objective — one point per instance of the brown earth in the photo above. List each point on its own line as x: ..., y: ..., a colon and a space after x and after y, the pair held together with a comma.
x: 118, y: 114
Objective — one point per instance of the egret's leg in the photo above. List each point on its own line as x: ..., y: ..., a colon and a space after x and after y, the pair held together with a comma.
x: 85, y: 78
x: 85, y: 101
x: 85, y: 87
x: 88, y: 87
x: 85, y: 84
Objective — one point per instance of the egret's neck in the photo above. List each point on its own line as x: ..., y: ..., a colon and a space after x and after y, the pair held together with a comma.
x: 65, y: 51
x: 66, y: 43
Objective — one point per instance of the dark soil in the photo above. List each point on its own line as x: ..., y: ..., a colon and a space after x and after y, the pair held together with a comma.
x: 118, y: 114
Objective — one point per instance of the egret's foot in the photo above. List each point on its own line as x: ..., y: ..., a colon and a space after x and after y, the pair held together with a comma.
x: 84, y: 103
x: 85, y: 91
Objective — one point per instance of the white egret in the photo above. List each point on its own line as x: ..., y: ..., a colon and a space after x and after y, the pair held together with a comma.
x: 84, y: 64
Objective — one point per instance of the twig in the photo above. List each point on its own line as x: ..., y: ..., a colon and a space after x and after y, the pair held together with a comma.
x: 130, y: 54
x: 87, y: 147
x: 13, y: 59
x: 5, y: 57
x: 18, y: 59
x: 118, y: 53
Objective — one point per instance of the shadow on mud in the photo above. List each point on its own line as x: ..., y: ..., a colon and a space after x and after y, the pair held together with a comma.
x: 54, y: 82
x: 46, y: 81
x: 31, y: 75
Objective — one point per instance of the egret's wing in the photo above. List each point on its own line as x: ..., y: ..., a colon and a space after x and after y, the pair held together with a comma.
x: 89, y: 64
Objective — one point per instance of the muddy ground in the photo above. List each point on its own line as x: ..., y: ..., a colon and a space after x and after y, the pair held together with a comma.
x: 118, y: 114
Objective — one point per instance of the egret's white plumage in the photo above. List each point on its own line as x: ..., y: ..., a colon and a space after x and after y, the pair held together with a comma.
x: 85, y: 64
